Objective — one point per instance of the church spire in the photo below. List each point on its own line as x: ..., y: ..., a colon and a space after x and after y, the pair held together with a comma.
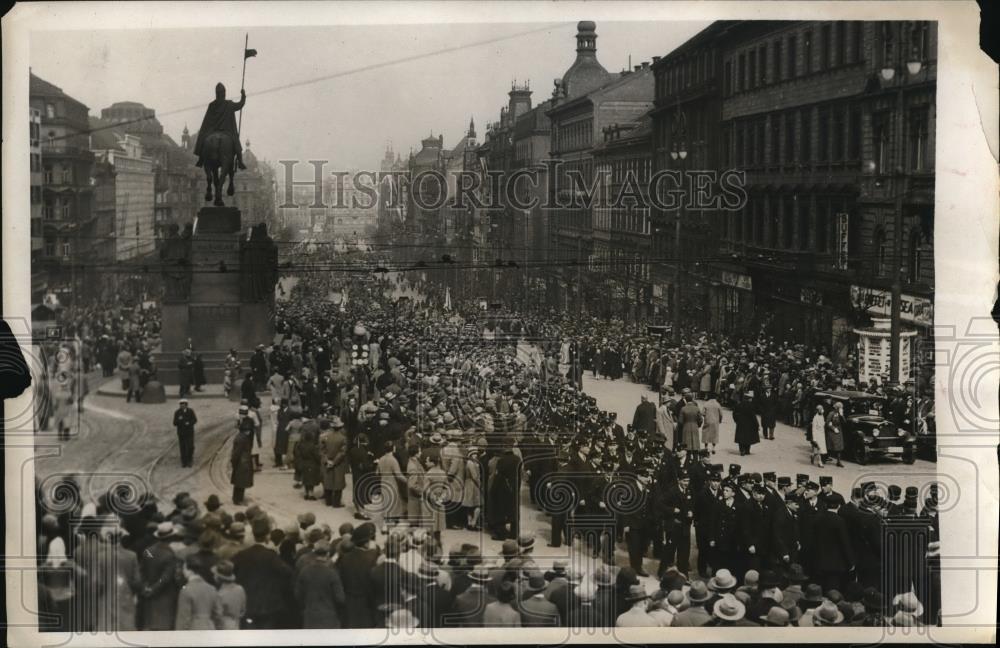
x: 472, y: 128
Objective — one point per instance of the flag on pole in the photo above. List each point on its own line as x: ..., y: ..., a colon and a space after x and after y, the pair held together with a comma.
x: 247, y: 53
x: 447, y: 299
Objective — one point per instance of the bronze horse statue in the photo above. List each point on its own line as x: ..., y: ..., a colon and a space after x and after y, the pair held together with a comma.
x: 219, y: 161
x: 218, y: 145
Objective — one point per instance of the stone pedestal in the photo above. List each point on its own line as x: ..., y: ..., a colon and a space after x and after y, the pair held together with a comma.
x: 213, y: 316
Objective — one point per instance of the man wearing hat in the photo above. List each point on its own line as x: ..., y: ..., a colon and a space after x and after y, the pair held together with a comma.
x: 676, y: 510
x: 536, y: 610
x: 334, y: 445
x: 636, y: 616
x: 747, y: 425
x: 319, y: 591
x: 240, y: 457
x: 696, y: 615
x: 453, y: 464
x: 232, y: 597
x: 729, y: 610
x: 467, y: 610
x: 184, y: 420
x: 705, y: 501
x: 158, y: 566
x: 266, y: 579
x: 833, y: 555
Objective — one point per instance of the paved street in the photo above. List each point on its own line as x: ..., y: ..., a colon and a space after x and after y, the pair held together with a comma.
x: 132, y: 442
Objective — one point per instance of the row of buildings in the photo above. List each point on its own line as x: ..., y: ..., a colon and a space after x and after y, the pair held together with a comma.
x: 105, y: 190
x: 831, y: 125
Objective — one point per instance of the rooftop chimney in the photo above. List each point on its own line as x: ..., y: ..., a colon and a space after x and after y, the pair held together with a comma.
x: 645, y: 65
x: 656, y: 59
x: 637, y: 68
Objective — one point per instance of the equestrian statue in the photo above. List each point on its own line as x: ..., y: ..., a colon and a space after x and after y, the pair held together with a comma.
x: 218, y: 145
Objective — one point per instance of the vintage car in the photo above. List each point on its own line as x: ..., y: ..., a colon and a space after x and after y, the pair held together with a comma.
x: 867, y: 431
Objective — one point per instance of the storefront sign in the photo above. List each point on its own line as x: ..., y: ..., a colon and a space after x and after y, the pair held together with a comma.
x: 842, y: 238
x: 736, y: 280
x: 916, y: 310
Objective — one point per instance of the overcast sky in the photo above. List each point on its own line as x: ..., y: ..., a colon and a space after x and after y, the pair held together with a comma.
x: 346, y: 119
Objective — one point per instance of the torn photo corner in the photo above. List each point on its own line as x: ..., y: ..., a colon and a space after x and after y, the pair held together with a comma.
x: 478, y: 322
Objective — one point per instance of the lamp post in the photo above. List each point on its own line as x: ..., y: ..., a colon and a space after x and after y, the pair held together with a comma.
x: 678, y: 153
x: 912, y: 68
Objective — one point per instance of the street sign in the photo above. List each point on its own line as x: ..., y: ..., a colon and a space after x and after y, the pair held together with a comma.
x: 843, y: 221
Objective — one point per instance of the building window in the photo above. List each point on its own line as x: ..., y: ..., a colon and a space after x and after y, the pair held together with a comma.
x: 920, y: 40
x: 881, y: 246
x: 787, y: 226
x: 775, y: 140
x: 856, y: 41
x: 66, y: 175
x: 839, y: 134
x: 913, y: 264
x: 50, y: 111
x: 880, y: 141
x: 50, y: 249
x: 918, y: 144
x: 789, y: 138
x: 840, y: 36
x: 729, y: 78
x: 806, y: 135
x: 822, y: 223
x: 826, y: 47
x: 854, y: 134
x: 47, y: 174
x: 807, y: 51
x: 778, y: 59
x: 66, y: 249
x: 48, y: 211
x: 752, y: 73
x: 887, y: 40
x: 762, y: 64
x: 792, y: 70
x: 804, y: 223
x: 823, y: 135
x: 740, y: 71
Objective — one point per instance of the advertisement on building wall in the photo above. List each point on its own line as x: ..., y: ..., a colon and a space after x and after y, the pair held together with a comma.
x: 916, y: 310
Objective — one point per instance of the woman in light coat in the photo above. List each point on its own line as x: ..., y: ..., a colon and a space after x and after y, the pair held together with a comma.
x: 472, y: 489
x: 392, y: 485
x: 817, y: 434
x: 415, y: 484
x: 665, y: 422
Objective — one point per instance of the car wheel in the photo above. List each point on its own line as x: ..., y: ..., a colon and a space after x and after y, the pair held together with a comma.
x: 909, y: 456
x: 863, y: 455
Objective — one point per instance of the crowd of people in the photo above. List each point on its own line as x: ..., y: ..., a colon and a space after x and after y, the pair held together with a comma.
x: 439, y: 417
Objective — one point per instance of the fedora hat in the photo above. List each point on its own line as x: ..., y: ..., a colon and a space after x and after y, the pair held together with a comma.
x: 796, y: 574
x: 224, y: 571
x: 699, y: 592
x: 768, y: 579
x: 479, y: 575
x: 776, y: 616
x: 164, y: 530
x: 827, y: 614
x: 722, y: 581
x: 536, y: 583
x: 636, y: 593
x: 729, y: 608
x: 872, y: 600
x: 789, y: 605
x: 813, y: 593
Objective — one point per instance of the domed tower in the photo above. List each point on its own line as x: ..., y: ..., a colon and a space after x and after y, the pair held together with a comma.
x: 186, y: 138
x: 586, y: 73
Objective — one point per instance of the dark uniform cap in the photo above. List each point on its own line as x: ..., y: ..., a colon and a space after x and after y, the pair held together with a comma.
x: 895, y: 491
x: 812, y: 485
x: 826, y: 480
x: 717, y: 468
x: 734, y: 469
x: 784, y: 481
x: 911, y: 491
x: 759, y: 490
x: 770, y: 476
x: 801, y: 478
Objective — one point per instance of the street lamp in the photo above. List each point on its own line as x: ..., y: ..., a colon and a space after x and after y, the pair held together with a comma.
x: 678, y: 153
x: 888, y: 72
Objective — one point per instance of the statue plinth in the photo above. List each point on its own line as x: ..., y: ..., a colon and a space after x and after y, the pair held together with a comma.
x: 217, y: 313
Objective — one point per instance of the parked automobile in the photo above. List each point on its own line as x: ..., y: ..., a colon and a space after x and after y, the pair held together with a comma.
x: 868, y: 433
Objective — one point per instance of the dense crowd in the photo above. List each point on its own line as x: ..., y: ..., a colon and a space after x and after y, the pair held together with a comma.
x: 439, y: 417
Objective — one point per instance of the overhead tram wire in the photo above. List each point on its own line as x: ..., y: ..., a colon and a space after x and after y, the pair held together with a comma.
x: 327, y: 77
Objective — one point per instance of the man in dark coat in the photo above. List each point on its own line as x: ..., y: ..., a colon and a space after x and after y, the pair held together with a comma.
x: 755, y: 530
x: 536, y: 611
x: 467, y: 609
x: 241, y: 459
x: 645, y: 416
x: 784, y: 544
x: 220, y: 116
x: 185, y: 372
x: 356, y: 572
x: 834, y: 556
x: 768, y: 405
x: 184, y: 420
x: 433, y: 603
x: 319, y: 592
x: 258, y: 367
x: 676, y: 510
x: 705, y: 501
x: 747, y: 426
x: 362, y: 474
x: 266, y: 579
x: 389, y: 583
x: 158, y: 566
x: 505, y: 495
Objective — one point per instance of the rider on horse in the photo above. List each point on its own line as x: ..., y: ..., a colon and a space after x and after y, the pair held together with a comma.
x: 221, y: 117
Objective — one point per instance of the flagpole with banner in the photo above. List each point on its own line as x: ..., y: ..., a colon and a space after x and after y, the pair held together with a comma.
x: 247, y: 53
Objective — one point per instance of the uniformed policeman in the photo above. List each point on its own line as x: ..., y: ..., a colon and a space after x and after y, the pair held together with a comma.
x: 184, y: 420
